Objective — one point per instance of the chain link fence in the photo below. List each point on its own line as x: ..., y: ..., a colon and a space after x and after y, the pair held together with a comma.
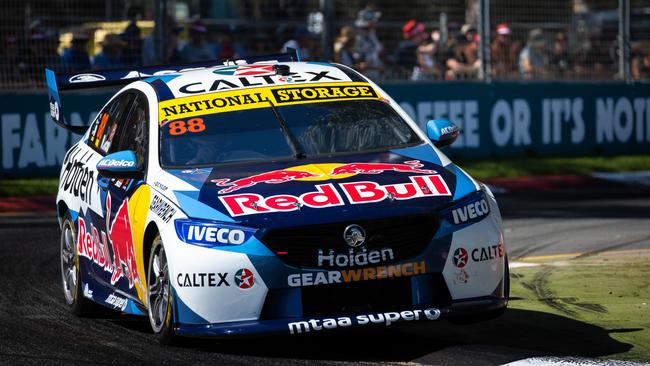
x: 409, y: 40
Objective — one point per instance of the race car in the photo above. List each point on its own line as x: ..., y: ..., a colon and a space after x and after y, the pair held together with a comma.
x: 269, y: 195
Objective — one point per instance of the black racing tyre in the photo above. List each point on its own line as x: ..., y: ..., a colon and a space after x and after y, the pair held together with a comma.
x: 70, y: 273
x: 161, y: 311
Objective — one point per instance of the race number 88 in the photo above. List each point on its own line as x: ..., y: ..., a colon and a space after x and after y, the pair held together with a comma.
x: 193, y: 125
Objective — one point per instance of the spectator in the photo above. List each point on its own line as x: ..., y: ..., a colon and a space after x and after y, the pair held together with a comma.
x: 170, y: 38
x: 11, y: 65
x: 301, y: 41
x: 226, y: 48
x: 469, y: 32
x: 112, y: 55
x: 198, y: 49
x: 367, y: 45
x: 560, y: 59
x: 344, y: 47
x: 640, y: 65
x: 133, y: 45
x: 504, y: 53
x: 75, y: 58
x: 405, y: 55
x: 427, y: 65
x: 41, y: 52
x: 533, y: 60
x: 463, y: 62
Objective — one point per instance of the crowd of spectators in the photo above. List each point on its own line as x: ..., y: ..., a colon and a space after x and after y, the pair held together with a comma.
x: 420, y: 54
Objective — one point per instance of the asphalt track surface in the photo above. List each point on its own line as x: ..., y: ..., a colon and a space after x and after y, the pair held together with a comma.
x: 36, y: 328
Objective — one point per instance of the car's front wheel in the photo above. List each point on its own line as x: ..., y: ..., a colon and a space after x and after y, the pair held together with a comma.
x: 160, y: 294
x: 70, y: 272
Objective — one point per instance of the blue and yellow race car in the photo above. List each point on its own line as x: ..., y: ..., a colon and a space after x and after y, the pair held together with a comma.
x: 269, y: 195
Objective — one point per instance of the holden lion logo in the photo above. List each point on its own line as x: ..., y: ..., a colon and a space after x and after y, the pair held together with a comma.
x: 354, y: 235
x: 244, y: 278
x: 460, y: 258
x: 86, y: 78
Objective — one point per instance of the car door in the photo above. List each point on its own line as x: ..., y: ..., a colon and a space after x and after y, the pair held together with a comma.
x: 125, y: 129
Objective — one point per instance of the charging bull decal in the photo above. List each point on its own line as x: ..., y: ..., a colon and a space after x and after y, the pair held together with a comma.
x: 97, y: 246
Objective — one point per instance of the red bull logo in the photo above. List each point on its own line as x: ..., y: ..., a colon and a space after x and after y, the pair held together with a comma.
x: 95, y: 247
x: 273, y: 177
x: 327, y: 195
x: 314, y: 172
x: 412, y: 166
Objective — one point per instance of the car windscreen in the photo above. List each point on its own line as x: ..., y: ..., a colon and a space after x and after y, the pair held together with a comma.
x: 265, y: 134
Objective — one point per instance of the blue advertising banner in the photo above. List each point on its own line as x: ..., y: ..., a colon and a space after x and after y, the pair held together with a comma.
x: 497, y: 120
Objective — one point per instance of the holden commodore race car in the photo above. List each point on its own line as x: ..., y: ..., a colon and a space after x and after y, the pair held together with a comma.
x: 269, y: 195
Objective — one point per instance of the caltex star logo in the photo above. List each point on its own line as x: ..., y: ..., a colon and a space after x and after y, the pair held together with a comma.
x: 248, y: 70
x: 244, y: 278
x: 460, y: 258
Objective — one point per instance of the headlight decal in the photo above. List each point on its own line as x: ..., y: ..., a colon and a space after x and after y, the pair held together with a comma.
x: 471, y: 209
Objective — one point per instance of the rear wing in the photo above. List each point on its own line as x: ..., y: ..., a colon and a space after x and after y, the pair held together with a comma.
x: 116, y: 77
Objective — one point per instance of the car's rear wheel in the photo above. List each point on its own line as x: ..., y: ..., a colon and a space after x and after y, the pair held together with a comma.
x: 70, y: 272
x: 160, y: 294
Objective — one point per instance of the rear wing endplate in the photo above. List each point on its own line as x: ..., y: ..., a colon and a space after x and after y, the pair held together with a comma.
x: 116, y: 77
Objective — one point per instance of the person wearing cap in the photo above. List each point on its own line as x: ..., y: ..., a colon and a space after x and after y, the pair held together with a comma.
x: 366, y: 45
x: 111, y: 56
x: 504, y: 53
x: 301, y: 41
x: 533, y: 59
x: 76, y: 58
x: 413, y: 35
x: 198, y: 48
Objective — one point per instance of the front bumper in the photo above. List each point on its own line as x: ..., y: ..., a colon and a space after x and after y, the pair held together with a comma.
x: 460, y: 272
x: 295, y: 326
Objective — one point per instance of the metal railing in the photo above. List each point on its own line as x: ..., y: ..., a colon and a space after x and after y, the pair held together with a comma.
x: 409, y: 40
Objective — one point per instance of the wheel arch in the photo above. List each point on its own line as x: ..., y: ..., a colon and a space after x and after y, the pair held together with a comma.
x: 149, y: 235
x: 61, y: 209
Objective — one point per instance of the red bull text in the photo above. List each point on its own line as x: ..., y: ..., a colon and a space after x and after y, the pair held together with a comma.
x: 94, y: 246
x: 327, y: 195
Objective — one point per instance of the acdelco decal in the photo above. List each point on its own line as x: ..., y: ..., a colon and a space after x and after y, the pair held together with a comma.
x: 327, y: 195
x: 235, y: 100
x: 355, y: 275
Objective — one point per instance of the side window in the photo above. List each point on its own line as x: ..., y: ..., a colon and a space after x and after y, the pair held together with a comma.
x: 107, y: 123
x: 133, y: 132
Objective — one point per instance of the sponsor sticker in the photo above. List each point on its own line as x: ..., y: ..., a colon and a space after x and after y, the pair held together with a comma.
x: 386, y: 319
x: 235, y: 100
x: 162, y: 208
x: 116, y: 302
x: 244, y: 278
x: 209, y: 234
x: 98, y: 246
x: 327, y: 195
x: 86, y: 78
x: 355, y: 275
x: 202, y: 279
x: 352, y: 258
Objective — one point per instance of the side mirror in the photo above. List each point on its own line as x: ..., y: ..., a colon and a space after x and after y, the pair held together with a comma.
x: 122, y: 164
x: 442, y: 132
